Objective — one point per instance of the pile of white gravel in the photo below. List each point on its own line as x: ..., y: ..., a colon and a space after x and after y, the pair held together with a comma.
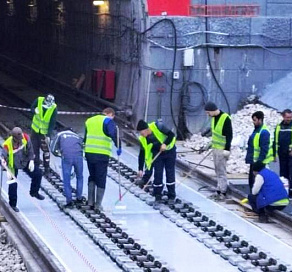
x: 242, y: 128
x: 10, y: 260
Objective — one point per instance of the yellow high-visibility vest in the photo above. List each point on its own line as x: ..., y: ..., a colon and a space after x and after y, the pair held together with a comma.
x: 40, y: 122
x: 96, y: 141
x: 257, y: 149
x: 9, y: 143
x: 161, y: 137
x: 218, y: 140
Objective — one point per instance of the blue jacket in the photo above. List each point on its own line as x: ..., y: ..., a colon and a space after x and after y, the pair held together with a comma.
x: 272, y: 190
x: 68, y: 144
x: 264, y: 145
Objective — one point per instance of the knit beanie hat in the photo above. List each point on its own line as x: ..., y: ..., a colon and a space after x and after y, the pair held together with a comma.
x: 210, y: 106
x: 142, y: 125
x: 258, y: 166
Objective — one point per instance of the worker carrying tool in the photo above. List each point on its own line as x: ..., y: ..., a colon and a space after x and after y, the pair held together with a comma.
x: 268, y: 192
x: 282, y: 147
x: 221, y: 128
x: 44, y: 111
x: 155, y: 137
x: 17, y: 153
x: 69, y: 146
x: 100, y: 131
x: 259, y: 146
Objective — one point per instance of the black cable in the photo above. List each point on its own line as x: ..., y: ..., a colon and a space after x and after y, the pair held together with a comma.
x: 180, y: 134
x: 210, y: 64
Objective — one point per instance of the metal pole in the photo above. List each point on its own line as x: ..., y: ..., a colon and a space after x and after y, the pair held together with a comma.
x: 134, y: 183
x: 119, y: 167
x: 1, y: 180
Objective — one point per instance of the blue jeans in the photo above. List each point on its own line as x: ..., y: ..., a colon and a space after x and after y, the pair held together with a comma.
x: 67, y: 164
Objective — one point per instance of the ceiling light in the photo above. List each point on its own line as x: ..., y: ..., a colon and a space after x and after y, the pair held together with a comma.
x: 98, y: 3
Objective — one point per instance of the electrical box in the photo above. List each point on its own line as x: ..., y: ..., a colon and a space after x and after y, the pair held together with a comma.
x: 189, y: 59
x: 103, y: 83
x: 176, y: 75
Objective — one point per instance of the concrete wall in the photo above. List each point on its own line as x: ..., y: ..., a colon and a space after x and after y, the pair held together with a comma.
x: 253, y: 52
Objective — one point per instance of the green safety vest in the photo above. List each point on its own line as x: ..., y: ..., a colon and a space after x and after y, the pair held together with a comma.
x: 40, y: 122
x: 277, y: 132
x: 148, y: 147
x: 218, y: 140
x: 257, y: 149
x: 96, y: 141
x: 9, y: 143
x: 282, y: 202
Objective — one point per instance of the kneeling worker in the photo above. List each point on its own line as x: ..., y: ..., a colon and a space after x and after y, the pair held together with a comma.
x: 18, y: 154
x: 268, y: 192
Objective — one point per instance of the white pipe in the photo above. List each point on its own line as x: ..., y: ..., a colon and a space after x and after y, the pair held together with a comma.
x: 147, y: 97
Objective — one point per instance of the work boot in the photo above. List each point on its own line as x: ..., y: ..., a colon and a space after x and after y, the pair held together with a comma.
x: 47, y: 173
x: 99, y: 198
x: 14, y: 208
x: 38, y: 196
x: 215, y: 196
x: 91, y: 192
x: 263, y: 218
x: 157, y: 203
x: 79, y: 202
x: 69, y: 205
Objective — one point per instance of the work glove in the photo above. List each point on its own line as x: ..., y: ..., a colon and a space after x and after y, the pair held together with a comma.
x: 119, y: 151
x: 36, y: 111
x: 140, y: 174
x: 3, y: 163
x: 8, y: 175
x: 31, y: 166
x: 47, y: 140
x: 226, y: 154
x: 163, y: 147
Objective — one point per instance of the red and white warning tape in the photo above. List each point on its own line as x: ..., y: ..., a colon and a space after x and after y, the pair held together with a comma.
x: 59, y: 112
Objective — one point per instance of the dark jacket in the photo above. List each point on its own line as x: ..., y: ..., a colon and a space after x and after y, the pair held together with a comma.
x: 156, y: 144
x: 272, y: 189
x: 22, y: 156
x: 110, y: 130
x: 68, y: 144
x: 264, y: 145
x: 285, y: 137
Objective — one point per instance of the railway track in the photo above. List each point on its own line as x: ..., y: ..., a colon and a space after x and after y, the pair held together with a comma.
x: 184, y: 214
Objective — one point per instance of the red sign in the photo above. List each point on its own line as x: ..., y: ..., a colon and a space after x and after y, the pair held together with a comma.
x: 168, y: 7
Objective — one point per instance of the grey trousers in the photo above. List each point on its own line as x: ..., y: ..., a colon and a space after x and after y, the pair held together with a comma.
x: 220, y: 170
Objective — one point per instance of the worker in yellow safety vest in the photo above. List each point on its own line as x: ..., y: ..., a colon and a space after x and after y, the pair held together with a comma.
x: 155, y: 137
x: 283, y: 147
x: 100, y: 131
x: 259, y: 148
x: 221, y: 128
x: 44, y: 111
x: 17, y: 153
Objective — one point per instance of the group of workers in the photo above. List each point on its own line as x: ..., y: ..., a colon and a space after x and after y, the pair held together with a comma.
x: 267, y: 191
x: 157, y: 153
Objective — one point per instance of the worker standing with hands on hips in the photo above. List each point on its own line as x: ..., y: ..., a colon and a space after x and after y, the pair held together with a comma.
x: 69, y: 146
x: 283, y: 147
x: 100, y: 131
x: 155, y: 138
x: 44, y: 111
x: 259, y: 145
x: 221, y: 128
x: 17, y: 153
